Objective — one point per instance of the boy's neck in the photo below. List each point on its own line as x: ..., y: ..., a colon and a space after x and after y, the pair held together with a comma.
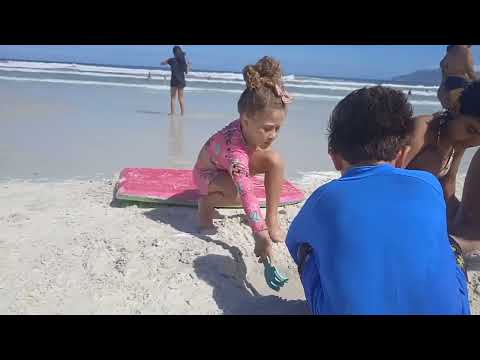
x: 347, y: 166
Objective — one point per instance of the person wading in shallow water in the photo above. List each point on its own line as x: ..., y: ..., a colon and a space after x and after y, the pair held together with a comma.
x: 178, y: 67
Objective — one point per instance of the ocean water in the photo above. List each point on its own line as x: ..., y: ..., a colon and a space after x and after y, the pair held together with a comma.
x: 299, y: 86
x: 62, y: 121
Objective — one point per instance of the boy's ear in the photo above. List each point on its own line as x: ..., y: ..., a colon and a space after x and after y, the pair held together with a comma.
x: 401, y: 158
x: 337, y: 161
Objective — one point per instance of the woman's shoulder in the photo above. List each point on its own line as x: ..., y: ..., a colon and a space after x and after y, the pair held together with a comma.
x: 421, y: 123
x: 422, y: 134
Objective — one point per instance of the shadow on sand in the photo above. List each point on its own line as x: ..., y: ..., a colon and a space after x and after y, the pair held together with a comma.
x: 231, y: 295
x: 232, y: 292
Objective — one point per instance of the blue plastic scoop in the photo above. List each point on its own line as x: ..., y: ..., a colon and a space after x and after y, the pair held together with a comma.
x: 274, y: 278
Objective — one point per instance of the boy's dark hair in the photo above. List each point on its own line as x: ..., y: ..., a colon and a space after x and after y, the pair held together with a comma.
x: 370, y: 124
x: 470, y: 99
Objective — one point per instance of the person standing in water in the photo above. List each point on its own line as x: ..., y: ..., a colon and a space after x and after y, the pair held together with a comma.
x: 179, y: 68
x: 457, y: 71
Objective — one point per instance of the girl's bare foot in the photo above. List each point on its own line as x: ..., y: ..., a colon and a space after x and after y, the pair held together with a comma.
x: 205, y: 214
x: 276, y: 233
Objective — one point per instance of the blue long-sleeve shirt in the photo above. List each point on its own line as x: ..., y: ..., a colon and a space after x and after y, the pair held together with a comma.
x: 380, y: 246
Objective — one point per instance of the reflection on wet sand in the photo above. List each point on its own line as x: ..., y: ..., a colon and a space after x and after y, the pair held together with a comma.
x: 176, y: 156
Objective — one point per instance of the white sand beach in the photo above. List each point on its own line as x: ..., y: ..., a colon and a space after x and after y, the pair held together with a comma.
x: 66, y: 249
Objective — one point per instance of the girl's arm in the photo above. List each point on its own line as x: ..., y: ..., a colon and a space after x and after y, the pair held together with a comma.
x: 243, y: 182
x: 166, y: 62
x: 241, y: 177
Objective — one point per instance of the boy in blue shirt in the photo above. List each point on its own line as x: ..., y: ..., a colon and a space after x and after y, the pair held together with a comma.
x: 375, y: 241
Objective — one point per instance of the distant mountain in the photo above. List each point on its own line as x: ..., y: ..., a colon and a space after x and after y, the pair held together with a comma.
x: 424, y: 77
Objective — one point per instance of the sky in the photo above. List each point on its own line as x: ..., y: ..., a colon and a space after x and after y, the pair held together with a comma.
x: 350, y: 61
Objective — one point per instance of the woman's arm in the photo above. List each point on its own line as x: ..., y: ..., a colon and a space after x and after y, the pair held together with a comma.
x: 419, y: 136
x: 470, y: 66
x: 449, y: 182
x: 166, y: 62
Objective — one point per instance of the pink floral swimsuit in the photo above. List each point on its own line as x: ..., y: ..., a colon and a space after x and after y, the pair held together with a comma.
x: 228, y: 152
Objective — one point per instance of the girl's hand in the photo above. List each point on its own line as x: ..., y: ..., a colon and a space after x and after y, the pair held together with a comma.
x: 263, y: 245
x: 275, y: 231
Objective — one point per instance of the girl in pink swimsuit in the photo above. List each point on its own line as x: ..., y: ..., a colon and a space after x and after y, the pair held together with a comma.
x: 225, y: 166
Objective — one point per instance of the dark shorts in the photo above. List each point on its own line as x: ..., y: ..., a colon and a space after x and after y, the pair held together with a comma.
x: 177, y: 84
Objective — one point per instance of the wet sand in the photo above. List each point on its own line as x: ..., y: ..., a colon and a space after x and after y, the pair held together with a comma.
x: 65, y: 131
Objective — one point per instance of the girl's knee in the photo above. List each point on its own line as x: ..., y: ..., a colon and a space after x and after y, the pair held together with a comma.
x: 275, y: 160
x: 266, y: 162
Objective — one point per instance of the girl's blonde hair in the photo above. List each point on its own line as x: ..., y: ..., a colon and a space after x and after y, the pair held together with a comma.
x: 264, y: 87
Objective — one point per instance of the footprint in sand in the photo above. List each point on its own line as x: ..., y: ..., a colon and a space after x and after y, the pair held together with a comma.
x: 16, y: 218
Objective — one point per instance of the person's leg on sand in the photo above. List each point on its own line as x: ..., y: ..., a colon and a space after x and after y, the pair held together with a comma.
x: 173, y: 100
x: 181, y: 100
x: 271, y: 164
x: 221, y: 192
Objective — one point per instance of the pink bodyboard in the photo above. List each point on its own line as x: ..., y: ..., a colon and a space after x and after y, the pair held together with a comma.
x: 176, y: 187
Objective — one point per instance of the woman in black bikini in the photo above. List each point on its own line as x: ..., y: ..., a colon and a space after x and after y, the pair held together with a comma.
x: 457, y: 71
x: 179, y: 68
x: 437, y: 145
